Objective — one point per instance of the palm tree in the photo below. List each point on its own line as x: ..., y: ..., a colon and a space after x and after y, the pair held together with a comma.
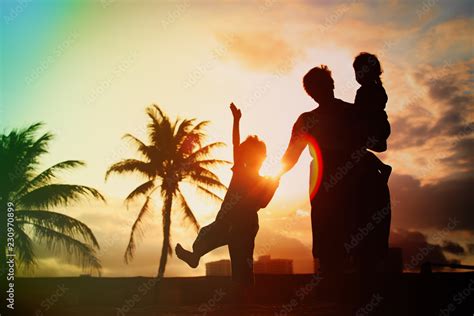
x: 33, y: 193
x: 175, y: 154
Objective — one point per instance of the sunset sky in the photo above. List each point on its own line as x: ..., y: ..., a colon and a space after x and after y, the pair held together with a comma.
x: 88, y: 69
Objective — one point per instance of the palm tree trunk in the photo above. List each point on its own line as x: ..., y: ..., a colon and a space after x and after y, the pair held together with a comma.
x: 166, y: 214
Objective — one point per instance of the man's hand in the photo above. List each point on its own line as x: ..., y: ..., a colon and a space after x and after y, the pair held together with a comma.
x: 235, y: 111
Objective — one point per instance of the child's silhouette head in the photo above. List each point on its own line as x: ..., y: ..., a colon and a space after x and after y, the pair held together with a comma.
x: 318, y: 83
x: 367, y: 68
x: 253, y: 153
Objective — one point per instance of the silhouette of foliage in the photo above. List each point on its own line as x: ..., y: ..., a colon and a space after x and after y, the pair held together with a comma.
x: 33, y: 193
x: 174, y: 154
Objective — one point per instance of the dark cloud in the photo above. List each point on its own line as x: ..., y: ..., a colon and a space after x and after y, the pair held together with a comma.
x: 416, y: 249
x: 434, y: 205
x: 448, y: 97
x: 462, y: 156
x: 470, y: 248
x: 450, y: 91
x: 407, y: 133
x: 453, y: 248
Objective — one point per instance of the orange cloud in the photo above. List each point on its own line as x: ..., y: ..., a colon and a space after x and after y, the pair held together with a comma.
x: 262, y: 50
x: 448, y: 41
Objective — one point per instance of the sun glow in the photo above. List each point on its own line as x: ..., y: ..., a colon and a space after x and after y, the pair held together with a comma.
x: 271, y: 169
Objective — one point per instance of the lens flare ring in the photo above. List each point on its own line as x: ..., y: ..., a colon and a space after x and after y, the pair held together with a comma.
x: 316, y: 175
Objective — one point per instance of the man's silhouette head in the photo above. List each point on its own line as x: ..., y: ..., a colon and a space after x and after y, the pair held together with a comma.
x: 319, y: 84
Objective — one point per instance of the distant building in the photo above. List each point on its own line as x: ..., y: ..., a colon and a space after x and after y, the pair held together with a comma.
x: 267, y: 265
x: 264, y: 265
x: 219, y: 268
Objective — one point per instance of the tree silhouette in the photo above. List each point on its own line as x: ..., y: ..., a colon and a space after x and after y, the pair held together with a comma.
x: 33, y: 193
x: 175, y: 154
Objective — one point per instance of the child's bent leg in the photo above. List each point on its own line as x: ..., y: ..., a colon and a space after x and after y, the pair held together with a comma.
x: 187, y: 256
x: 211, y: 237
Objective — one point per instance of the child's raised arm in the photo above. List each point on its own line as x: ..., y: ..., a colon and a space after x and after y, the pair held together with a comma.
x: 237, y: 114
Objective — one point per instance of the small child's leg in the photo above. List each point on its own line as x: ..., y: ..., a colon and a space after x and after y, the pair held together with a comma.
x: 241, y: 247
x: 187, y: 256
x: 242, y: 272
x: 241, y: 256
x: 209, y: 238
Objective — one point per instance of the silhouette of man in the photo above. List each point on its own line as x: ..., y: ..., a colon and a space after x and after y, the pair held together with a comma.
x: 331, y: 131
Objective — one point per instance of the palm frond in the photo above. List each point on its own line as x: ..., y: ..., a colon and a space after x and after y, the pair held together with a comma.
x: 59, y: 222
x: 202, y: 167
x: 200, y: 126
x: 198, y: 130
x: 31, y: 130
x: 160, y: 128
x: 59, y: 242
x: 143, y: 189
x: 183, y: 129
x: 24, y: 246
x: 155, y: 109
x: 48, y: 175
x: 37, y: 149
x: 137, y: 231
x: 19, y: 154
x: 23, y: 136
x: 188, y: 213
x: 207, y: 163
x: 204, y: 172
x: 204, y: 152
x: 188, y: 144
x: 53, y: 195
x: 209, y: 193
x: 130, y: 165
x: 141, y: 146
x: 207, y: 182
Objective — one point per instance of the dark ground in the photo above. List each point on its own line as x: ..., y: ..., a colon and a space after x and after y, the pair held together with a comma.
x: 409, y: 294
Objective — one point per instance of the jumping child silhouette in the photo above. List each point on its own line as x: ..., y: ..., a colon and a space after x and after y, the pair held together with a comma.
x: 236, y: 223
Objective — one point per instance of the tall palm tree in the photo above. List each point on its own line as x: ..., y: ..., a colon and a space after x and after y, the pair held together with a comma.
x: 174, y: 154
x: 33, y: 193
